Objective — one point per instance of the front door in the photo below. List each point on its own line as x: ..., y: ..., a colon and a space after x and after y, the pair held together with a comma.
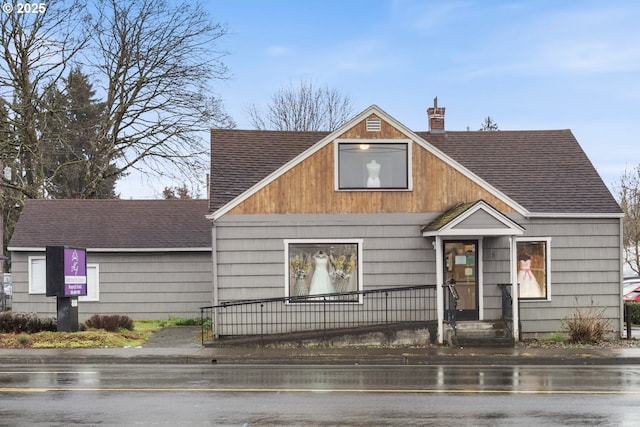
x: 461, y: 269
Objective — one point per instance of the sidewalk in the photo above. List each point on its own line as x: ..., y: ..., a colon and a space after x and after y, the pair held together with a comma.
x: 180, y: 346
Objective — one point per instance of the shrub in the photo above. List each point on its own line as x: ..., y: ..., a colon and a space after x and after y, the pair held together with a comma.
x: 178, y: 321
x: 110, y: 323
x: 28, y: 323
x: 634, y: 308
x: 586, y: 325
x: 23, y: 339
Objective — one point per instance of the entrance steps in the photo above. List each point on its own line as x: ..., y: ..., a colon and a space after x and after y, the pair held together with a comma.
x: 489, y: 333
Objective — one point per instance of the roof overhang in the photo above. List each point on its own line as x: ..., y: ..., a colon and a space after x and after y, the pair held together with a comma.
x: 114, y: 250
x: 472, y: 219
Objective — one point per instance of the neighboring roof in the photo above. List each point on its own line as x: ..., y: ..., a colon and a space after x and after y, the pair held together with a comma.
x: 241, y: 158
x: 113, y: 224
x: 545, y: 172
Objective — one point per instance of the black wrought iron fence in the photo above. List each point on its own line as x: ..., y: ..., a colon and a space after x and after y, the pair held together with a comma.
x: 507, y: 305
x: 319, y: 312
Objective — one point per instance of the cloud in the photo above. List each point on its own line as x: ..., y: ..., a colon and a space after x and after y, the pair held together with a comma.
x: 278, y: 51
x: 587, y: 57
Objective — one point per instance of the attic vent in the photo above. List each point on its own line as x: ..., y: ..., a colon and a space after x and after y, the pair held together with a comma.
x: 374, y: 125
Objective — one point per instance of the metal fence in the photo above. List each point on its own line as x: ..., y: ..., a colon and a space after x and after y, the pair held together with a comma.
x: 319, y: 312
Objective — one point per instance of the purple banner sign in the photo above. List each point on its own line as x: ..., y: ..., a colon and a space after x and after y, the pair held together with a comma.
x: 75, y: 272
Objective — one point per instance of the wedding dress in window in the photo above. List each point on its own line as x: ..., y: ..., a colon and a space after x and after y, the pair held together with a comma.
x: 529, y: 287
x: 321, y: 281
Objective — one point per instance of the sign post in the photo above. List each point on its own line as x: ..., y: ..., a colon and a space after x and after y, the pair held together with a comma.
x: 66, y: 280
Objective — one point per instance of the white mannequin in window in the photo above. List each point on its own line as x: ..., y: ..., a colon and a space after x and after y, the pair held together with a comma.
x: 373, y: 168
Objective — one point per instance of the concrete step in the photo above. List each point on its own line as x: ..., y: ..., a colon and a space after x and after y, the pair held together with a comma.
x: 482, y: 342
x: 480, y: 334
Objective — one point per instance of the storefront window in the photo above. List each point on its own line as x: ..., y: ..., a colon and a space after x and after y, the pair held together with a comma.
x: 321, y: 268
x: 533, y: 269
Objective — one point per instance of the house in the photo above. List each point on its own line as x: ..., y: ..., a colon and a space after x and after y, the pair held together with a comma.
x: 370, y: 206
x: 149, y: 259
x: 377, y: 205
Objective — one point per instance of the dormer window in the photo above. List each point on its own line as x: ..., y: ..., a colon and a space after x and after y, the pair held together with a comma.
x: 373, y: 165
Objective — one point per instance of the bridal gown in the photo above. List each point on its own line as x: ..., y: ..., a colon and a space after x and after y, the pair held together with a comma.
x: 320, y: 282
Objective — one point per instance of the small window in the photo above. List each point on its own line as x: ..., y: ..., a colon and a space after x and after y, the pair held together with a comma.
x: 38, y: 279
x: 533, y: 267
x: 37, y: 275
x: 93, y: 284
x: 369, y: 165
x: 323, y: 267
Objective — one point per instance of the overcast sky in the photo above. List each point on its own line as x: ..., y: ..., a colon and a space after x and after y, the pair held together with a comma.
x: 531, y: 64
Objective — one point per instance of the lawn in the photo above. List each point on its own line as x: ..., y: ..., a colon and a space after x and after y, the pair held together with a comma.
x: 141, y: 332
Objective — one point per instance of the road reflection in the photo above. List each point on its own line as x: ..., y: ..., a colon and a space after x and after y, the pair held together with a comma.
x: 418, y: 378
x: 318, y: 395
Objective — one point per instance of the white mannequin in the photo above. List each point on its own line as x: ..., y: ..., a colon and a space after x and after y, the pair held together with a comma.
x: 373, y: 168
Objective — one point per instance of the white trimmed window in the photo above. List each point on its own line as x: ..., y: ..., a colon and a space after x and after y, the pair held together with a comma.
x: 533, y: 265
x: 37, y: 275
x: 373, y: 165
x: 319, y: 267
x: 38, y: 278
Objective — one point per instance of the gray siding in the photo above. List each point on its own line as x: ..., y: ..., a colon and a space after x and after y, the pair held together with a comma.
x: 585, y: 271
x: 251, y: 261
x: 495, y: 259
x: 480, y: 219
x: 585, y: 263
x: 144, y: 286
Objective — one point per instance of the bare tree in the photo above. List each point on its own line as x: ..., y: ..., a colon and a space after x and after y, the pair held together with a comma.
x: 157, y: 61
x: 36, y: 50
x: 629, y: 193
x: 303, y: 108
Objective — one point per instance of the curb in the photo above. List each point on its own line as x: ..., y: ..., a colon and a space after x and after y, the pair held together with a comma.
x: 321, y: 359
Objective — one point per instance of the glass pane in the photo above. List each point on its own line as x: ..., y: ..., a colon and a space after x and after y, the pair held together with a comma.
x: 38, y: 276
x: 532, y: 269
x: 92, y: 284
x: 373, y: 165
x: 323, y: 268
x: 460, y: 263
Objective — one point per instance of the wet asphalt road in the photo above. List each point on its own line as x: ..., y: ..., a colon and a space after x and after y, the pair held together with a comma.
x: 163, y: 395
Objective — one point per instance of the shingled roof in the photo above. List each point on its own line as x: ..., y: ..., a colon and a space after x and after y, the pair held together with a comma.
x: 241, y: 158
x: 546, y: 171
x: 113, y: 224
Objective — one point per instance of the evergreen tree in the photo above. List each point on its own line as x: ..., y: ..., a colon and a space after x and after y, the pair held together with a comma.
x: 71, y: 140
x: 176, y: 192
x: 489, y: 125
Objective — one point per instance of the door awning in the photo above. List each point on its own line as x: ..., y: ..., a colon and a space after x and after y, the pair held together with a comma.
x: 472, y: 219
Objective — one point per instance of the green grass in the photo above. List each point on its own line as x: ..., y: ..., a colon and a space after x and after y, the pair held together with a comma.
x: 554, y: 338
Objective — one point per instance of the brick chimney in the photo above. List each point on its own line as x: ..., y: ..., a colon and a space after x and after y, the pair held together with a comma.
x: 436, y: 117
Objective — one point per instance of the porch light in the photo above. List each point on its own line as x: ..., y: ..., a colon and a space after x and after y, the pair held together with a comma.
x: 364, y: 146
